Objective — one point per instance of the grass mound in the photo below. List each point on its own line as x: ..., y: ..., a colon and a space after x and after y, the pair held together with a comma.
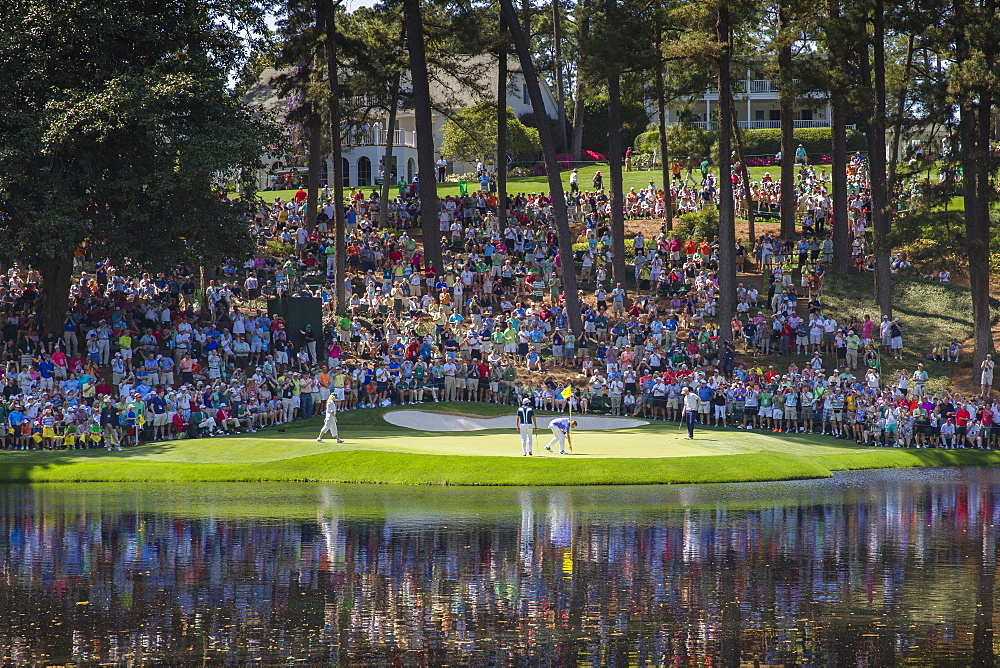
x: 378, y: 452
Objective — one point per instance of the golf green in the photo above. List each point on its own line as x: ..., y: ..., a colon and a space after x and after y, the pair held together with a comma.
x: 375, y: 451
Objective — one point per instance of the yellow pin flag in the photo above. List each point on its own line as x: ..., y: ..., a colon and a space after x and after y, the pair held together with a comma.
x: 568, y: 392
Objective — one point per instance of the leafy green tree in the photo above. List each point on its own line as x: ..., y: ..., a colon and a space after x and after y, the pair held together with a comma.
x: 634, y: 120
x: 472, y: 133
x: 116, y: 126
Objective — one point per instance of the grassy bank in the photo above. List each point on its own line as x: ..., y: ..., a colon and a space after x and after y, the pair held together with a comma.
x: 377, y: 452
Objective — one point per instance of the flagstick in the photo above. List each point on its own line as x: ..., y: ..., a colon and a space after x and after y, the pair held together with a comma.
x: 569, y: 437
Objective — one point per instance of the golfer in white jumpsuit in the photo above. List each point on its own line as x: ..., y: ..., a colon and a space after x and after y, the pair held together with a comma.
x: 560, y: 428
x: 330, y: 422
x: 526, y: 425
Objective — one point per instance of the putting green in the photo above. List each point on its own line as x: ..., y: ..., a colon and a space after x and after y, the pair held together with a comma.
x: 376, y: 451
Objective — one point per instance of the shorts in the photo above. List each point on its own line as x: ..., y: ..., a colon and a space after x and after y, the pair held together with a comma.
x: 673, y: 403
x: 338, y: 393
x: 764, y: 412
x: 719, y: 411
x: 159, y: 419
x: 777, y: 413
x: 790, y: 413
x: 807, y: 412
x: 837, y: 415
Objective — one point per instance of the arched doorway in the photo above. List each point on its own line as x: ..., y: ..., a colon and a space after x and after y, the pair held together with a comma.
x: 409, y: 170
x: 345, y: 173
x: 364, y: 171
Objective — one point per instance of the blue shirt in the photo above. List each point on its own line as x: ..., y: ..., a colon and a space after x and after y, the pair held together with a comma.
x: 560, y: 423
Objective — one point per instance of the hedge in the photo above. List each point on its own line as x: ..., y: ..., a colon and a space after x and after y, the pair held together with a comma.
x: 813, y: 140
x: 686, y: 140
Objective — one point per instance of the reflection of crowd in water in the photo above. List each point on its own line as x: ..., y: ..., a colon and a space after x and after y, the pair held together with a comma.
x: 786, y: 583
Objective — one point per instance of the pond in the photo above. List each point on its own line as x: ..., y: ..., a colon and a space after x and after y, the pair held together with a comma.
x: 874, y: 569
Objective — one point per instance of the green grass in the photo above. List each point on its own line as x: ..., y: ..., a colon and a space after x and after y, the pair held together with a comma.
x: 377, y: 452
x: 535, y: 184
x: 929, y: 312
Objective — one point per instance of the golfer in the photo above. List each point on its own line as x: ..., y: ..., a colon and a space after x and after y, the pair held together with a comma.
x: 560, y: 430
x: 690, y: 409
x: 527, y: 423
x: 330, y: 422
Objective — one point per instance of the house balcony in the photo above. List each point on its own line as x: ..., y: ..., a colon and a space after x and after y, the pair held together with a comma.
x: 377, y: 137
x: 762, y: 125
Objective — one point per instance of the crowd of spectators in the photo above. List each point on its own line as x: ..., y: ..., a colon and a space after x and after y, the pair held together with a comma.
x: 154, y: 357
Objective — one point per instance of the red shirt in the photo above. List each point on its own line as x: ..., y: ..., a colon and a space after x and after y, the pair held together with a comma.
x: 962, y: 417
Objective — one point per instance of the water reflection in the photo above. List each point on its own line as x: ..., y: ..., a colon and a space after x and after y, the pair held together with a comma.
x: 865, y: 569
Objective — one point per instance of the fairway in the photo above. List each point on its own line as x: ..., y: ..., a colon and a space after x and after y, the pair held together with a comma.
x: 376, y: 451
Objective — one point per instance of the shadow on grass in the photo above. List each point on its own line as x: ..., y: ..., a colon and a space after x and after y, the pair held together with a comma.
x: 22, y: 466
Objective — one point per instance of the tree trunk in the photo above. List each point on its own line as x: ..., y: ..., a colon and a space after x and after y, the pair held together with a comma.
x: 502, y: 75
x: 897, y: 124
x: 577, y: 148
x: 315, y: 160
x: 551, y: 168
x: 749, y: 202
x: 56, y: 279
x: 727, y: 223
x: 425, y: 135
x: 786, y: 102
x: 838, y: 122
x: 387, y: 168
x: 661, y: 110
x: 974, y: 135
x: 841, y: 234
x: 327, y: 17
x: 557, y: 54
x: 882, y: 217
x: 615, y: 167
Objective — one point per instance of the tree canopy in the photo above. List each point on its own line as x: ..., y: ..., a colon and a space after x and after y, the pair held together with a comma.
x: 471, y: 134
x: 116, y: 127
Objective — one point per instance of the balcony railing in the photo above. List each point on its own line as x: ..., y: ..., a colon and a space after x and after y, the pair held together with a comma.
x: 763, y: 125
x: 377, y: 137
x: 751, y: 86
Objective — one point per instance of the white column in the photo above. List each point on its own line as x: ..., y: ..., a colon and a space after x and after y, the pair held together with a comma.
x: 747, y: 93
x: 708, y: 111
x: 829, y: 114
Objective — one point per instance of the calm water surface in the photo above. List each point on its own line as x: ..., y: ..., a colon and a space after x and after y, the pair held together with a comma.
x: 871, y: 569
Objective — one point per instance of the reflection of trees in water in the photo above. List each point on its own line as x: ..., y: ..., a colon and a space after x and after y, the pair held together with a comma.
x: 873, y: 575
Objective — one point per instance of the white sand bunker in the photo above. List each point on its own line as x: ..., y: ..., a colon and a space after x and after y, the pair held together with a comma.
x: 434, y: 421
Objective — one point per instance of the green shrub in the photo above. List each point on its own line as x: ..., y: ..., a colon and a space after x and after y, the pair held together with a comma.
x: 279, y: 249
x: 698, y: 225
x: 634, y: 120
x: 816, y: 141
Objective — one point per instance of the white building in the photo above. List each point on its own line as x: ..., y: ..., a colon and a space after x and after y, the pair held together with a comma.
x: 363, y: 146
x: 755, y: 99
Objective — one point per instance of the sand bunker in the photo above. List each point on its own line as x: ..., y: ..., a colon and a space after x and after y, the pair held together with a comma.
x: 433, y: 421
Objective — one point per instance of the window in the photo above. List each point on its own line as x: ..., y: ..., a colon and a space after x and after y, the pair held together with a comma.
x: 807, y: 114
x: 345, y: 173
x: 364, y: 171
x: 524, y: 94
x: 409, y: 170
x: 324, y: 173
